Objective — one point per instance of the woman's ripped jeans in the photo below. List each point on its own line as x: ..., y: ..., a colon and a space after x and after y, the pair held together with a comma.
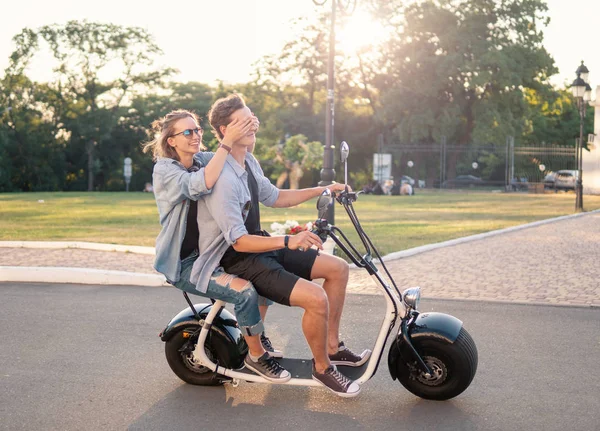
x: 245, y: 301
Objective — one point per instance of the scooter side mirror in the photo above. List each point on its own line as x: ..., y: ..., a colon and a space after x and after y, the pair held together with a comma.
x: 344, y: 151
x: 324, y: 202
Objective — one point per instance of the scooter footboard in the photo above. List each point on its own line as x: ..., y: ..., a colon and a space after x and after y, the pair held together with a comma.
x: 227, y: 338
x: 427, y: 325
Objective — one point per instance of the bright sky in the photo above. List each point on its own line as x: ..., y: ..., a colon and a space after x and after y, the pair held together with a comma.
x: 254, y: 28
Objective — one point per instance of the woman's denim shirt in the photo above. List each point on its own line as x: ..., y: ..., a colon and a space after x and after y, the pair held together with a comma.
x: 174, y: 187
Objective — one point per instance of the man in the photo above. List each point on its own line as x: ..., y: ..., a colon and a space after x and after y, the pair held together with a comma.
x: 280, y: 267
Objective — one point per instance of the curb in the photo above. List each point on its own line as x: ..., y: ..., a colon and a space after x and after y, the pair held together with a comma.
x: 82, y: 245
x: 41, y: 274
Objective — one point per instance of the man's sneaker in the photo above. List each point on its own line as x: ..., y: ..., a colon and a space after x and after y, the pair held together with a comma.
x: 273, y: 353
x: 345, y: 356
x: 268, y: 368
x: 336, y: 382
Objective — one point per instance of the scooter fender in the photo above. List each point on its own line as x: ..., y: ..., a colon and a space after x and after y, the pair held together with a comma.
x: 426, y: 325
x: 229, y: 343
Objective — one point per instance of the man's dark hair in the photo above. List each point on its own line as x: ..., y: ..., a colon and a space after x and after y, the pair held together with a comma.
x: 220, y: 112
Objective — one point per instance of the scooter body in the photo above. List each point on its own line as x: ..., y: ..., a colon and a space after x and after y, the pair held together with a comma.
x: 228, y: 343
x: 432, y: 355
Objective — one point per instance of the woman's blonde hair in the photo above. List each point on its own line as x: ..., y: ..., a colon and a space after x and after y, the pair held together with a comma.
x: 163, y: 129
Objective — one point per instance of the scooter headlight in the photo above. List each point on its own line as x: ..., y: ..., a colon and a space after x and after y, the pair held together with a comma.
x: 411, y: 297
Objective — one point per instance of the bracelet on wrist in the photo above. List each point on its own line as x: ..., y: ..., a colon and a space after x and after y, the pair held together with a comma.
x: 286, y: 241
x: 225, y: 147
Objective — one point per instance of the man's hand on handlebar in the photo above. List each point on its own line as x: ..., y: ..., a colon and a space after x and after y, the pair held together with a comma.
x: 337, y: 187
x: 304, y: 240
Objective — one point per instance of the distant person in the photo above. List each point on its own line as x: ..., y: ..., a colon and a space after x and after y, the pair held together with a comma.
x: 387, y: 186
x: 406, y: 190
x: 377, y: 189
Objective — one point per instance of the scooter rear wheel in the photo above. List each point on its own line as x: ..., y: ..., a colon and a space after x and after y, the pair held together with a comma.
x: 179, y: 351
x: 453, y: 366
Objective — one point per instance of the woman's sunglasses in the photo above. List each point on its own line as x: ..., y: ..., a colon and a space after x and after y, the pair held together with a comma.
x: 190, y: 132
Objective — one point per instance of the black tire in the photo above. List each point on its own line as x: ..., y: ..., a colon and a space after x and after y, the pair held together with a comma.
x: 182, y: 362
x: 454, y: 366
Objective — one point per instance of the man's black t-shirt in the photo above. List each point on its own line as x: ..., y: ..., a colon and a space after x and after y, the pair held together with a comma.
x: 253, y: 220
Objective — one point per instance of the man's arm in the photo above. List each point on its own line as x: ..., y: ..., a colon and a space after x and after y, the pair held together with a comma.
x: 259, y: 244
x: 271, y: 196
x: 289, y: 198
x: 224, y: 207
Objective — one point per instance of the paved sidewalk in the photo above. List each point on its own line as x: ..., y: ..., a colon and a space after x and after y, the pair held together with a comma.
x: 554, y: 263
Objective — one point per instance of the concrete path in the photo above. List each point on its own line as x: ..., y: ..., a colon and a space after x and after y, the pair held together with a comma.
x: 555, y: 262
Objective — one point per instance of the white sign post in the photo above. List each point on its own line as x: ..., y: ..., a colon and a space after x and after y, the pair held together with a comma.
x: 382, y: 166
x: 127, y: 172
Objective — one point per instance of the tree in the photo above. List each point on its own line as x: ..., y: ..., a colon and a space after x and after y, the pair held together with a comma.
x: 87, y: 106
x: 31, y: 153
x: 458, y: 68
x: 295, y: 83
x: 296, y: 156
x: 553, y: 118
x: 302, y: 62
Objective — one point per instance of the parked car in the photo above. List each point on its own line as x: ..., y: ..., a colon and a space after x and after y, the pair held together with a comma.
x: 549, y: 181
x: 566, y: 179
x: 463, y: 181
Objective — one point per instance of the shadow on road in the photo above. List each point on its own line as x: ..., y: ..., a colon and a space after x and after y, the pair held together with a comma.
x: 207, y: 408
x: 192, y: 407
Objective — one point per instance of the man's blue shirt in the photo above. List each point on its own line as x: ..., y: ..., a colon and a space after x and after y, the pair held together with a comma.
x: 221, y: 214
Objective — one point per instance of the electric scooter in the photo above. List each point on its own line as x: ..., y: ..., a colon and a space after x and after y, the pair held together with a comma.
x: 432, y: 355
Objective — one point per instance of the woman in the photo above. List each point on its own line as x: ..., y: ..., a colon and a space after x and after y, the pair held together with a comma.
x: 182, y: 174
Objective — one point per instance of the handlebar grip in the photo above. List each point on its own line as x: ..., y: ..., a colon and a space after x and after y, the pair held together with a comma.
x: 320, y: 233
x: 350, y: 196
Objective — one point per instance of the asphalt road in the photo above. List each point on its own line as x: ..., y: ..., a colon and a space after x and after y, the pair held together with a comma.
x: 77, y: 357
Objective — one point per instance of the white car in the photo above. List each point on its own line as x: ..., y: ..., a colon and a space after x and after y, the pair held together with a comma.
x: 566, y: 179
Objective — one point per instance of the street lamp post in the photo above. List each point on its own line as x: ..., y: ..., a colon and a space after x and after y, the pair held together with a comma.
x: 328, y: 172
x: 582, y: 92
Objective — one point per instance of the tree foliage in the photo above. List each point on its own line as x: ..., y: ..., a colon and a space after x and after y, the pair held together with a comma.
x: 295, y: 157
x: 458, y: 68
x: 468, y: 70
x: 79, y: 103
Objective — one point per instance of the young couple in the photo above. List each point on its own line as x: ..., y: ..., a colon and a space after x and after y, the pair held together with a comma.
x: 232, y: 259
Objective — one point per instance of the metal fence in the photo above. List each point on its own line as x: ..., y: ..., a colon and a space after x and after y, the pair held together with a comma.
x: 507, y: 166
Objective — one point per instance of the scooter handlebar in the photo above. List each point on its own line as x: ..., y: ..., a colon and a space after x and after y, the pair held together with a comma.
x: 319, y: 229
x: 346, y: 196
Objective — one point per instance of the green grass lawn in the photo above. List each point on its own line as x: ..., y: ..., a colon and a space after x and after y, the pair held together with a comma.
x: 393, y: 222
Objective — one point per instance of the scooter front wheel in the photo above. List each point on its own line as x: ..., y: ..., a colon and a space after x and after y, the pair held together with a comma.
x: 179, y: 350
x: 453, y: 367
